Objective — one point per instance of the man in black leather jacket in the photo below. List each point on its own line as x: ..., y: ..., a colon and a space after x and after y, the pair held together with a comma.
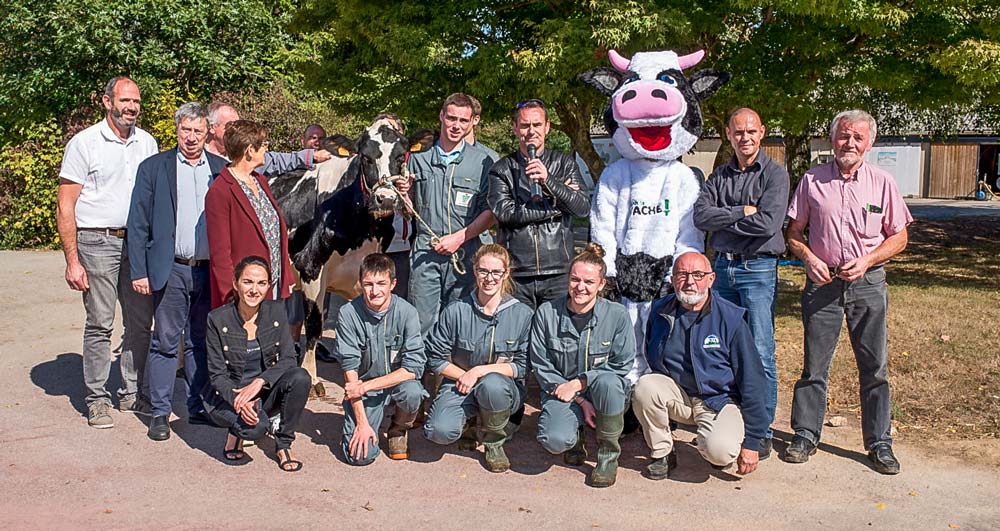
x: 534, y: 197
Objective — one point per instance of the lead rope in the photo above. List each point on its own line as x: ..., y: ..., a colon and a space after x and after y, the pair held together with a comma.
x: 456, y: 262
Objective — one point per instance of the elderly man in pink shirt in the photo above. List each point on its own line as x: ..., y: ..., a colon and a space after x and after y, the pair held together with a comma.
x: 857, y: 221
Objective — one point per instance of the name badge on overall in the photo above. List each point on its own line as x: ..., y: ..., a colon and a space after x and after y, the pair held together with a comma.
x: 463, y: 199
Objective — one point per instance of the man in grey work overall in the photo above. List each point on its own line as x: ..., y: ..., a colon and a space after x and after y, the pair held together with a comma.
x: 449, y: 192
x: 743, y: 205
x: 95, y: 187
x: 382, y: 353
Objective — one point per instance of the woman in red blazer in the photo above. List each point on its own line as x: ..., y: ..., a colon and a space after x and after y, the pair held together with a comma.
x: 242, y: 216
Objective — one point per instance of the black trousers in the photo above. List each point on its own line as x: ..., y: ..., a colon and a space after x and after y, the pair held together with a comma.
x: 287, y: 396
x: 536, y: 289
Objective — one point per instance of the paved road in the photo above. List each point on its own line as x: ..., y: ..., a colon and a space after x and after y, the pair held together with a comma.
x: 56, y: 473
x: 949, y: 208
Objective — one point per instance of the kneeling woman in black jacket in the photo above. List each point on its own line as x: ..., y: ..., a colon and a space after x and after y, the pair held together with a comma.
x: 251, y: 363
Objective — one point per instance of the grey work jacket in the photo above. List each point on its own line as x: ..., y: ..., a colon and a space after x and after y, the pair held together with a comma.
x: 376, y: 347
x: 467, y: 337
x: 559, y: 353
x: 449, y: 196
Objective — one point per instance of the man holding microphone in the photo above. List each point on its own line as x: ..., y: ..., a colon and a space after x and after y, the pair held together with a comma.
x: 534, y: 194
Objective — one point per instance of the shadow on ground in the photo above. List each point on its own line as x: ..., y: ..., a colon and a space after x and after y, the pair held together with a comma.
x: 63, y: 376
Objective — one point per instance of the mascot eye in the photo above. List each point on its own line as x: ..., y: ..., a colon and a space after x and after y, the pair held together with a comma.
x: 633, y: 77
x: 666, y: 78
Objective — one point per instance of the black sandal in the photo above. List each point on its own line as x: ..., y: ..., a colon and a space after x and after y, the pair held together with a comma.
x: 236, y: 453
x: 286, y: 459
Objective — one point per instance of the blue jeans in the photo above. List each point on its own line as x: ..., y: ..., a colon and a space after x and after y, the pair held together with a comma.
x: 181, y: 309
x: 753, y: 284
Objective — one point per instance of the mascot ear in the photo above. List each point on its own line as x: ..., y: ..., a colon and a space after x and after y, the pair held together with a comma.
x: 340, y: 146
x: 421, y: 140
x: 706, y: 82
x: 603, y: 79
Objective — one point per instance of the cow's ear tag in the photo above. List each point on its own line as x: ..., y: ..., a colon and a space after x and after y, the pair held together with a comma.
x: 415, y: 148
x: 343, y: 152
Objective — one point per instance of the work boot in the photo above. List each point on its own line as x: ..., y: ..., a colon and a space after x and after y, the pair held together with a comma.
x: 402, y: 421
x: 494, y: 437
x: 576, y: 455
x: 609, y: 429
x: 469, y: 439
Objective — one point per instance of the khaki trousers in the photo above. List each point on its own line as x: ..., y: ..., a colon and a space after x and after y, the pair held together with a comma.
x: 658, y: 400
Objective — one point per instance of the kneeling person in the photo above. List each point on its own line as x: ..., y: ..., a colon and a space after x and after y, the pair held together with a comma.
x: 252, y: 367
x: 705, y: 372
x: 582, y: 346
x: 382, y: 353
x: 485, y: 336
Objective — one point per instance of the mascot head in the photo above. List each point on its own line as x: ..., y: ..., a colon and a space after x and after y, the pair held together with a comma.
x: 654, y: 112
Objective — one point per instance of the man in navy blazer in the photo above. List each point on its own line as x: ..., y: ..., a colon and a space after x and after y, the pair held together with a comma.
x: 168, y: 253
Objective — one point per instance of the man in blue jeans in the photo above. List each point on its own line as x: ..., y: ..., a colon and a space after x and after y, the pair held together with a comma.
x: 743, y: 205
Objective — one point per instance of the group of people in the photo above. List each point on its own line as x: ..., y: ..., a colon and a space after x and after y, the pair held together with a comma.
x: 192, y: 244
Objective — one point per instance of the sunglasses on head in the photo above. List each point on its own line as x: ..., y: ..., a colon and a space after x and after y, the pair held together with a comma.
x: 531, y: 102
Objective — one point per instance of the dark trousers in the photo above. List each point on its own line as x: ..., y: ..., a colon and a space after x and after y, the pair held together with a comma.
x: 180, y: 309
x: 535, y: 289
x: 402, y: 261
x: 286, y: 397
x: 864, y: 302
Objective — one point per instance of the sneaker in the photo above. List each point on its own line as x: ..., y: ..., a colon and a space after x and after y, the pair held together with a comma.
x: 660, y: 468
x: 883, y: 461
x: 800, y: 450
x: 137, y: 404
x: 98, y: 416
x: 765, y: 449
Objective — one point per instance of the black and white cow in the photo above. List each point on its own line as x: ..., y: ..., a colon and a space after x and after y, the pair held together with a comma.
x: 351, y: 218
x: 642, y: 211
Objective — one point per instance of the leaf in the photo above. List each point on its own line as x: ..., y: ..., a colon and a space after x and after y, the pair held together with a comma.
x: 368, y: 506
x: 914, y: 493
x: 954, y: 526
x: 880, y: 506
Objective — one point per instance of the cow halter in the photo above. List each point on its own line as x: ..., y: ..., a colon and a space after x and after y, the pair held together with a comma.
x: 387, y: 181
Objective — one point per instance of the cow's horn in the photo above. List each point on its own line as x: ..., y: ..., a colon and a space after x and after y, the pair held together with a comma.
x: 691, y: 59
x: 620, y: 63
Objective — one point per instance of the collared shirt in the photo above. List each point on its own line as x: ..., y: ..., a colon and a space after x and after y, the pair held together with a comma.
x: 676, y: 354
x: 719, y: 209
x: 193, y: 180
x: 105, y: 166
x: 450, y: 156
x: 848, y: 216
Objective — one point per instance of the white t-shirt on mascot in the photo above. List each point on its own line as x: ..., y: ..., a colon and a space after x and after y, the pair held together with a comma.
x: 642, y: 207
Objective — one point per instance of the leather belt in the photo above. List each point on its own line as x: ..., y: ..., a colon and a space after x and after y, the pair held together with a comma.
x: 117, y: 233
x: 740, y: 257
x: 190, y: 262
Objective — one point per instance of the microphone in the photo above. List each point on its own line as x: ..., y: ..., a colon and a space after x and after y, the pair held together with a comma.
x: 536, y: 189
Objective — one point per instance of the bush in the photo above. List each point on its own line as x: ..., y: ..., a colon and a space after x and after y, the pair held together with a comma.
x: 29, y: 179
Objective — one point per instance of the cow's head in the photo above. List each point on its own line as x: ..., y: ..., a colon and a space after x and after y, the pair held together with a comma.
x: 382, y: 154
x: 653, y: 112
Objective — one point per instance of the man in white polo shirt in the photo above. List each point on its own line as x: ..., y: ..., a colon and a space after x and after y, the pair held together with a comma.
x: 95, y: 189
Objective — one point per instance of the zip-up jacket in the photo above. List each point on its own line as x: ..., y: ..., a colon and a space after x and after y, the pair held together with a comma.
x: 559, y: 353
x: 375, y: 347
x: 467, y: 337
x: 226, y: 344
x: 449, y: 196
x: 724, y: 359
x: 537, y: 232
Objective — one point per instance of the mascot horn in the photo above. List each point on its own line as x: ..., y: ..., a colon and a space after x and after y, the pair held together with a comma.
x: 642, y: 206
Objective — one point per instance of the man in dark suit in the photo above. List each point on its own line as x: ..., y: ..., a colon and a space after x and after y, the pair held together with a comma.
x: 168, y: 253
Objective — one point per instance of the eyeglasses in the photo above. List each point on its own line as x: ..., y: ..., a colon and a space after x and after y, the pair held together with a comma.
x: 697, y: 276
x: 534, y: 102
x: 492, y: 273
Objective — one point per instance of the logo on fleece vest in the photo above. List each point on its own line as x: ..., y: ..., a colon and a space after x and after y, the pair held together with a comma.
x: 712, y: 341
x: 641, y: 208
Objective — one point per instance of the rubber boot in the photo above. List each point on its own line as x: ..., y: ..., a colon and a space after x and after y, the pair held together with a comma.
x: 494, y: 437
x: 469, y: 439
x: 609, y: 429
x: 402, y: 421
x: 576, y: 455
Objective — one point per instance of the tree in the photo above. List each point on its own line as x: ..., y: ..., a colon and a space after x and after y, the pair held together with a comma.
x: 794, y: 61
x: 54, y: 57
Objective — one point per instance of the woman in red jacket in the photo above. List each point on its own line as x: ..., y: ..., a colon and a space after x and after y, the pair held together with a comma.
x: 242, y: 216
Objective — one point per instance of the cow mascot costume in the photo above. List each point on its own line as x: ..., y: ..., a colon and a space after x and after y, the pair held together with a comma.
x: 642, y: 212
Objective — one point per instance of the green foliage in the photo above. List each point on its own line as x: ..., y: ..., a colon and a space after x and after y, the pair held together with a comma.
x: 54, y: 56
x: 29, y: 177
